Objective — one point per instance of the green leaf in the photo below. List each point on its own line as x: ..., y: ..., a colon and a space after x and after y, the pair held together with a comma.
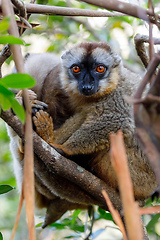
x: 4, y: 102
x: 5, y: 188
x: 7, y: 100
x: 18, y: 110
x: 1, y: 237
x: 18, y: 80
x: 4, y: 24
x: 77, y: 228
x: 104, y: 215
x: 39, y: 224
x: 5, y: 97
x: 5, y: 91
x: 58, y: 226
x: 153, y: 221
x: 11, y: 40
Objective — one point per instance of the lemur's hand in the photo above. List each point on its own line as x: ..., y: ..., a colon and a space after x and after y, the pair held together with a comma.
x: 35, y: 104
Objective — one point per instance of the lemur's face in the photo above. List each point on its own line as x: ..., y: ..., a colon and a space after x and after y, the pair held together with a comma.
x: 86, y: 69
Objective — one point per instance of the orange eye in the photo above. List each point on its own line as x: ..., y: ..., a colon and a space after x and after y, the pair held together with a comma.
x: 100, y: 69
x: 76, y: 69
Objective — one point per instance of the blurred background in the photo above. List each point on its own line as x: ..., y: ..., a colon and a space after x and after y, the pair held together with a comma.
x: 55, y: 34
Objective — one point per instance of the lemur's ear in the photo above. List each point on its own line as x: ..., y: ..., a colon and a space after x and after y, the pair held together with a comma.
x: 117, y: 60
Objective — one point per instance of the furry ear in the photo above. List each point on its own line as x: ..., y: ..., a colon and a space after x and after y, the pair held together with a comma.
x: 64, y: 55
x: 117, y: 60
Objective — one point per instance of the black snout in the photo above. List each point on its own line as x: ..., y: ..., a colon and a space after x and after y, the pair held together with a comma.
x: 87, y: 90
x: 87, y: 84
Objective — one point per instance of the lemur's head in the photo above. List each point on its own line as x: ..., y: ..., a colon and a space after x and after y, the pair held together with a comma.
x: 90, y: 69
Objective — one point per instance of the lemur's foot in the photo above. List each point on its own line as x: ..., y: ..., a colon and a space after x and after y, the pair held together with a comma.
x: 44, y: 126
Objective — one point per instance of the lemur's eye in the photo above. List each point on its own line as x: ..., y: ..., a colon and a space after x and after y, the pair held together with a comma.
x: 100, y: 69
x: 76, y: 69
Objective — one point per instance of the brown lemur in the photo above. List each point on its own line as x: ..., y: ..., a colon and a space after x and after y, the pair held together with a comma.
x: 84, y: 92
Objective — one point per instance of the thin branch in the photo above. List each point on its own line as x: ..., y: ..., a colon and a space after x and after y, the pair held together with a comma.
x: 21, y: 7
x: 130, y: 207
x: 66, y: 11
x: 149, y: 210
x: 114, y: 5
x: 26, y: 22
x: 147, y: 115
x: 141, y: 49
x: 150, y: 71
x: 17, y: 216
x: 151, y: 47
x: 115, y: 215
x: 28, y: 181
x: 126, y: 8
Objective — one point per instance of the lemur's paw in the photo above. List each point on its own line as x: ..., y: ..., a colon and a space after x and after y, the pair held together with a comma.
x: 32, y: 95
x: 44, y: 126
x: 35, y: 104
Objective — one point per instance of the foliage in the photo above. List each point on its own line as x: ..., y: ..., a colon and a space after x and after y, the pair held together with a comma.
x: 1, y: 237
x: 76, y: 223
x: 14, y: 81
x: 4, y: 188
x: 4, y: 25
x: 7, y: 97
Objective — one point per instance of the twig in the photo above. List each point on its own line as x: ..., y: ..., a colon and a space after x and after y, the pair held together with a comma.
x: 26, y: 22
x: 151, y: 47
x: 130, y: 207
x: 21, y: 7
x: 147, y: 115
x: 140, y: 47
x: 66, y: 11
x: 126, y: 8
x: 151, y: 69
x: 17, y: 216
x: 115, y: 215
x: 149, y: 210
x: 28, y: 185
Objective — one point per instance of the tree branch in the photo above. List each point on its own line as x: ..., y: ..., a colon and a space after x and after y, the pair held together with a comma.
x: 66, y: 11
x: 126, y: 8
x: 147, y: 115
x: 21, y: 7
x: 65, y: 167
x: 141, y: 49
x: 130, y: 207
